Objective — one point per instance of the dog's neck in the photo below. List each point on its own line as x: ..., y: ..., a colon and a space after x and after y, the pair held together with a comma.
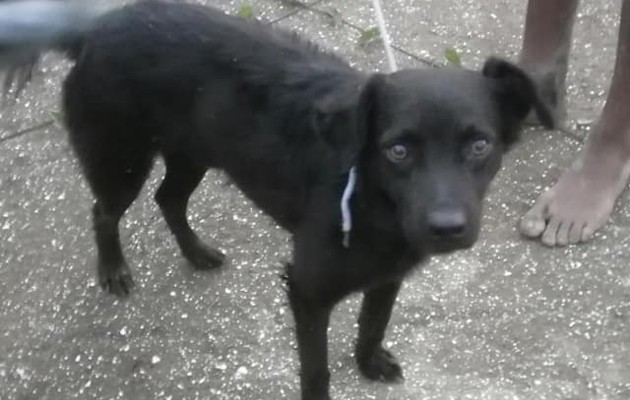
x: 373, y: 212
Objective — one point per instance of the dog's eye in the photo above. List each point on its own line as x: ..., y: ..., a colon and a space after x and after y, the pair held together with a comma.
x: 397, y: 153
x: 479, y: 148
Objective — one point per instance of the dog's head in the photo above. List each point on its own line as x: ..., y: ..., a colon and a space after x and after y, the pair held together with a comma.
x: 432, y: 140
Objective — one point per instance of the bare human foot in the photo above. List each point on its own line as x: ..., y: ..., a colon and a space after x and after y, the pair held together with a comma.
x: 582, y: 199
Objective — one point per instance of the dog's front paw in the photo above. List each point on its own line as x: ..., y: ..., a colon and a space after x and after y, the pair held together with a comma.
x: 115, y: 279
x: 203, y: 257
x: 380, y: 365
x: 315, y: 396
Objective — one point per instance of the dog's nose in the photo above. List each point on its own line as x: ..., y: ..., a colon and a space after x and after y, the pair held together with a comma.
x: 446, y: 223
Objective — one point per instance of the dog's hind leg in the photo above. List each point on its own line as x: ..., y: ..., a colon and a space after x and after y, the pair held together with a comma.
x: 182, y: 177
x: 374, y: 361
x: 115, y: 188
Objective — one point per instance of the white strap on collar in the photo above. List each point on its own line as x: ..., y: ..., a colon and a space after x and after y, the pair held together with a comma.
x: 346, y: 214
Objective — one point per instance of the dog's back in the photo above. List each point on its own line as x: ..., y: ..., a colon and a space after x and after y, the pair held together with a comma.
x: 181, y: 79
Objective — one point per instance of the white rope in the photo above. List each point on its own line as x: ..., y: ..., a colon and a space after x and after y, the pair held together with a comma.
x: 382, y: 27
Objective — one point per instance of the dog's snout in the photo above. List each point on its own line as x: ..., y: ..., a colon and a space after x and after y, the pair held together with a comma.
x: 447, y: 222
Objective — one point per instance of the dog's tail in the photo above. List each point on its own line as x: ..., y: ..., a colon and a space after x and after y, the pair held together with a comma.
x: 29, y: 28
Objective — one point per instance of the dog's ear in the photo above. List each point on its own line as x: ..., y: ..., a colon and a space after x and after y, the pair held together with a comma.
x: 516, y: 92
x: 331, y: 119
x: 344, y: 119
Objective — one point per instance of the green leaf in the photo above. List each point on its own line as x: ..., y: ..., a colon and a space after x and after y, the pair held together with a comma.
x: 334, y: 16
x: 452, y: 56
x: 57, y: 117
x: 246, y: 12
x: 369, y: 35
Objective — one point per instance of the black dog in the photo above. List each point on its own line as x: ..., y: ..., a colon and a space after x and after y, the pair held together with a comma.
x: 288, y: 122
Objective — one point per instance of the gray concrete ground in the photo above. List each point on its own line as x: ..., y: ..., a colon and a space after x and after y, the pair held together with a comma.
x: 506, y: 320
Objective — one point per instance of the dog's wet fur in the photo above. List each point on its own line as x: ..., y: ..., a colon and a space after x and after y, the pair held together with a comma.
x: 287, y: 121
